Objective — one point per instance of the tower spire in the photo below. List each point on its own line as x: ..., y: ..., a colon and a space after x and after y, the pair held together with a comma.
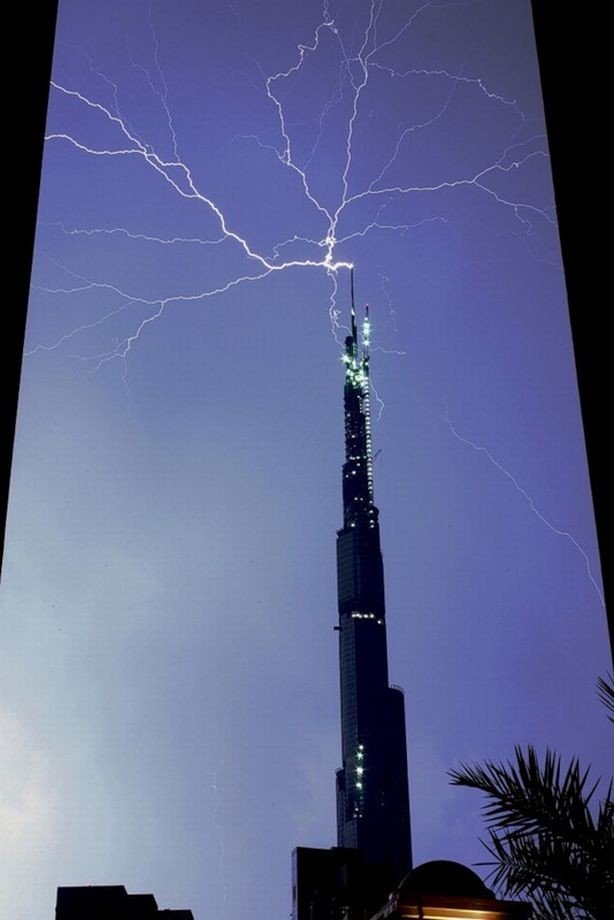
x: 358, y: 499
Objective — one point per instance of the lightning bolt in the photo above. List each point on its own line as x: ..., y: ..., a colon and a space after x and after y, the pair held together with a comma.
x: 378, y: 400
x: 125, y: 345
x: 173, y: 172
x: 163, y: 93
x: 410, y: 130
x: 376, y: 225
x: 123, y: 231
x: 384, y: 281
x: 354, y: 71
x: 477, y: 181
x: 529, y: 500
x: 455, y: 78
x: 216, y: 820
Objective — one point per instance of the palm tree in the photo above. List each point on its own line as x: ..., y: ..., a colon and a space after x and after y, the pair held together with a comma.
x: 549, y: 842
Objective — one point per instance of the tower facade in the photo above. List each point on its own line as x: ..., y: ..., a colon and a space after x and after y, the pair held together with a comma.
x: 372, y: 784
x: 353, y: 879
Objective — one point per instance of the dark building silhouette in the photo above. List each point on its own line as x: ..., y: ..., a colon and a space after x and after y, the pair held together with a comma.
x: 337, y: 884
x: 445, y: 889
x: 110, y: 902
x: 372, y: 786
x: 373, y: 848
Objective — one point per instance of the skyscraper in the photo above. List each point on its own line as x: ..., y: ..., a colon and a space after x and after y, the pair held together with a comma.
x: 372, y: 785
x: 373, y: 834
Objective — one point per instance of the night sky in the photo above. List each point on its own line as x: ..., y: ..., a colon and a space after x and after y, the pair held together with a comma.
x: 169, y: 715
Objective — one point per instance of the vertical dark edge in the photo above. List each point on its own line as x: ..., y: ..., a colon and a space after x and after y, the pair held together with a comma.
x: 32, y: 33
x: 572, y: 55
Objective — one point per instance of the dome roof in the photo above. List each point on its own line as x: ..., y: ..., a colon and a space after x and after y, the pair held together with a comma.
x: 444, y: 877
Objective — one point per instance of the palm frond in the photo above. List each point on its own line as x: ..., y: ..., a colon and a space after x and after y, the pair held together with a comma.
x: 544, y: 841
x: 605, y: 691
x: 527, y: 796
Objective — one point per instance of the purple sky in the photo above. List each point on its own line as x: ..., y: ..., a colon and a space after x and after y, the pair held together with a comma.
x: 169, y: 699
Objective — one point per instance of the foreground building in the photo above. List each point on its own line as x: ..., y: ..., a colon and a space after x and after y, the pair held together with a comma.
x: 110, y: 902
x: 445, y: 890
